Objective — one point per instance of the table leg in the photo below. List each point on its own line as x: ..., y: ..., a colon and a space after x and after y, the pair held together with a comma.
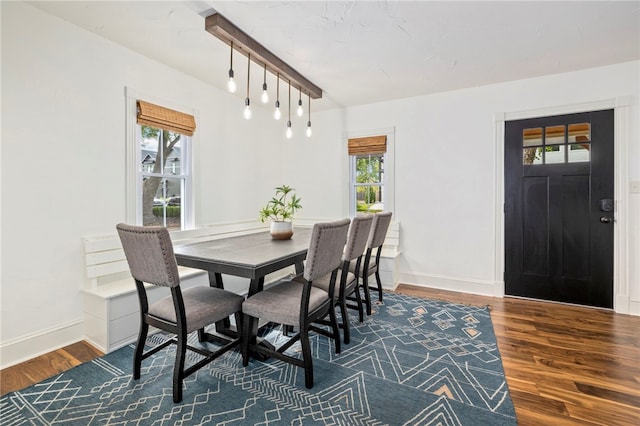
x: 256, y: 285
x: 224, y: 326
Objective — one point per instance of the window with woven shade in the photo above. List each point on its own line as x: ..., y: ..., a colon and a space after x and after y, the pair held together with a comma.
x: 368, y: 145
x: 163, y: 139
x: 367, y: 173
x: 163, y: 118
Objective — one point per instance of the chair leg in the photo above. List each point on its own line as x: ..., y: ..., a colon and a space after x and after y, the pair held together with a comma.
x: 379, y: 282
x: 178, y: 368
x: 239, y: 324
x: 306, y: 357
x: 345, y: 321
x: 367, y: 294
x: 137, y: 358
x: 359, y: 303
x: 201, y: 337
x: 333, y: 319
x: 249, y: 331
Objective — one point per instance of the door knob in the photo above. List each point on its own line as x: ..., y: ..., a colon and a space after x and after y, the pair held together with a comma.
x: 605, y: 219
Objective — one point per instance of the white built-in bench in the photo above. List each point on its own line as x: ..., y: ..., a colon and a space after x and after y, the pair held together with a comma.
x: 111, y: 309
x: 389, y: 258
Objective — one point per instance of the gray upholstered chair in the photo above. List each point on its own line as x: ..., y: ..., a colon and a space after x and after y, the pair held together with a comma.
x: 297, y: 302
x: 346, y: 287
x: 371, y: 264
x: 149, y: 252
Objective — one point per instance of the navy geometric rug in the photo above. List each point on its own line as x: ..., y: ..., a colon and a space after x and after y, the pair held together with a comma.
x: 413, y: 362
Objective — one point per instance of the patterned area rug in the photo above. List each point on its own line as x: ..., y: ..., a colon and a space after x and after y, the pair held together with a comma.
x: 413, y: 362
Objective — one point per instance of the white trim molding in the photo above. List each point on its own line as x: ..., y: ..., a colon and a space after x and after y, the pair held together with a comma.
x: 457, y: 284
x: 132, y: 190
x: 26, y: 347
x: 620, y: 105
x: 389, y: 167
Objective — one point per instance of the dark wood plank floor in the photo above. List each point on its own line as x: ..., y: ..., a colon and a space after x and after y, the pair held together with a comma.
x: 565, y: 365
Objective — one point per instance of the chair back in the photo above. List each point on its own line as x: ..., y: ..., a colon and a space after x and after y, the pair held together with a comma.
x: 325, y: 248
x: 149, y: 252
x: 358, y: 236
x: 379, y: 228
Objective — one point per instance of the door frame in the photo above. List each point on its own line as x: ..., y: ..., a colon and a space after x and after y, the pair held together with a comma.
x: 620, y: 105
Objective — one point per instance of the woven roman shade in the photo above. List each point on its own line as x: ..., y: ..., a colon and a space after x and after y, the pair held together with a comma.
x: 368, y: 145
x: 165, y: 118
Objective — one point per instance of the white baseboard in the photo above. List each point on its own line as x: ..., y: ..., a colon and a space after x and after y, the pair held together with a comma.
x: 459, y: 284
x: 18, y: 350
x: 634, y: 307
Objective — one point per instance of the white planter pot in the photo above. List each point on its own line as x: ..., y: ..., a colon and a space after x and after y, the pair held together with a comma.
x: 281, y: 230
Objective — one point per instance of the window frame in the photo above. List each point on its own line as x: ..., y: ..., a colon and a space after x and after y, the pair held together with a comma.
x: 388, y: 179
x: 133, y: 173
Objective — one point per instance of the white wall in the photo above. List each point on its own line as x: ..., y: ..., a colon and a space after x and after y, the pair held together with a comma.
x: 63, y: 165
x: 446, y: 172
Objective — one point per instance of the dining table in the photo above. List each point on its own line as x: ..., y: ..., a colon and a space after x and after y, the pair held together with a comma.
x: 252, y: 256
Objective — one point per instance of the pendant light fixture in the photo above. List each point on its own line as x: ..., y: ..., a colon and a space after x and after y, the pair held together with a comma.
x: 289, y: 131
x: 277, y: 114
x: 265, y: 95
x: 247, y: 102
x: 309, y: 121
x: 300, y: 111
x: 231, y: 85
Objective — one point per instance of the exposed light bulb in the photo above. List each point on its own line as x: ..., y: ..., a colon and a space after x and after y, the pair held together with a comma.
x: 247, y: 109
x: 289, y: 131
x: 231, y: 84
x: 299, y: 111
x: 309, y: 119
x: 277, y: 114
x: 265, y: 95
x: 247, y: 102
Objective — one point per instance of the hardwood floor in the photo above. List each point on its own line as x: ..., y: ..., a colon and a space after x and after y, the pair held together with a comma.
x: 48, y: 365
x: 565, y: 365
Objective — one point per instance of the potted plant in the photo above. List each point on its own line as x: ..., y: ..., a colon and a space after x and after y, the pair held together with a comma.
x: 280, y: 209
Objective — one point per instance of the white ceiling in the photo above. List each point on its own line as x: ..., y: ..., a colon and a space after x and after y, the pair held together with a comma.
x: 361, y: 52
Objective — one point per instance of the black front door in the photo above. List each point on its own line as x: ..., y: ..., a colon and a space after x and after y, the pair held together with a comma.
x: 559, y: 205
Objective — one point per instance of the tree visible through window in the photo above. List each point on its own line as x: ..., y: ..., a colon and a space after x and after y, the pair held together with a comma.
x: 369, y: 183
x: 163, y: 182
x: 163, y: 139
x: 367, y: 156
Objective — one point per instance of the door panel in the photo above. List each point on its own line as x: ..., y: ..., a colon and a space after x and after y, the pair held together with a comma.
x: 557, y: 170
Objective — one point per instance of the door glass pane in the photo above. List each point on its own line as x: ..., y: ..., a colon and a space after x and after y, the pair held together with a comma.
x: 579, y: 152
x: 532, y: 137
x: 554, y: 154
x: 580, y: 132
x: 554, y: 135
x: 532, y: 155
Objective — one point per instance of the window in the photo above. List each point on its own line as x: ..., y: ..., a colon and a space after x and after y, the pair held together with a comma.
x: 161, y: 176
x: 556, y: 144
x: 369, y: 178
x: 159, y: 164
